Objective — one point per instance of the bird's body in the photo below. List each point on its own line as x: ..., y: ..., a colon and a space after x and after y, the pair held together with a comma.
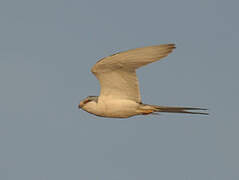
x: 120, y: 108
x: 120, y: 95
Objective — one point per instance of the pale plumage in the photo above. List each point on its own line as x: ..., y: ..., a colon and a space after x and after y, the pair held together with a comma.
x: 120, y: 94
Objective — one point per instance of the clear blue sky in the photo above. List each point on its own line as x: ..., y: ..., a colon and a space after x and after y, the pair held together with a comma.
x: 47, y: 48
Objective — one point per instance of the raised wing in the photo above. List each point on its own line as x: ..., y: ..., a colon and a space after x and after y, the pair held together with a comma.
x: 117, y: 73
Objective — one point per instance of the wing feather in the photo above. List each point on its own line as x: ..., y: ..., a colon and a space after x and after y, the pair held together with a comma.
x: 119, y: 84
x: 117, y: 73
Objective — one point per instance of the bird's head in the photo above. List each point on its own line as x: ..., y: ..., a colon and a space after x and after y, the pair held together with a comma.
x: 90, y: 100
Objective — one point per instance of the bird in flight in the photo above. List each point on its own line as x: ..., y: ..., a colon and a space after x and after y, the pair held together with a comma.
x: 120, y: 95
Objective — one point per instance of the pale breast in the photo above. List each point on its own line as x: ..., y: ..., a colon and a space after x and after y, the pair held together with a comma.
x: 117, y: 107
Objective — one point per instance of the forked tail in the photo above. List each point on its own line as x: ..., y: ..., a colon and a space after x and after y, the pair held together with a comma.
x: 148, y: 109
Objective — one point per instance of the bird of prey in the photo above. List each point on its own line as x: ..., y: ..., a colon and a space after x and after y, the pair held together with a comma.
x: 120, y: 95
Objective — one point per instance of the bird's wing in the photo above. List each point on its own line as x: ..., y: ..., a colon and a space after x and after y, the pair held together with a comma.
x: 117, y: 73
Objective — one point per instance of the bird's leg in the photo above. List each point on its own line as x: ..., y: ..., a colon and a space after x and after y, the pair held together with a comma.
x: 147, y: 111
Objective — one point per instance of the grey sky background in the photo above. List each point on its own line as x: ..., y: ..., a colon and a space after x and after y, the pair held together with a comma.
x: 47, y: 48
